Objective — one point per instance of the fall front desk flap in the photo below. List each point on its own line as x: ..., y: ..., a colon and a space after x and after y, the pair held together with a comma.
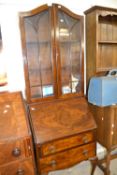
x: 62, y: 118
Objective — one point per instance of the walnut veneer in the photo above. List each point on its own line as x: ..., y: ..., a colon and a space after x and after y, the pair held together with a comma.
x: 62, y: 130
x: 63, y: 127
x: 16, y: 152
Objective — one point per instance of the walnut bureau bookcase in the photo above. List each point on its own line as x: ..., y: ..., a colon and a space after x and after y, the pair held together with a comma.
x: 16, y: 150
x: 101, y: 56
x: 62, y: 125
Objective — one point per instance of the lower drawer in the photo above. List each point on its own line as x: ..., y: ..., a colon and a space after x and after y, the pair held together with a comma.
x: 67, y: 158
x: 24, y: 167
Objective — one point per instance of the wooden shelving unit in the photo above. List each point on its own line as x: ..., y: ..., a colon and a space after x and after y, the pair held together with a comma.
x: 101, y: 56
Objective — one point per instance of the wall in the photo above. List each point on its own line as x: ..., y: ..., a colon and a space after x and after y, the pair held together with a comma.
x: 11, y: 57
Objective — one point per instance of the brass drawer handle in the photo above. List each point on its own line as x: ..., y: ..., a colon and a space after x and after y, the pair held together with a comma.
x: 20, y: 172
x: 85, y: 153
x: 16, y: 152
x: 52, y: 149
x: 53, y: 163
x: 85, y: 139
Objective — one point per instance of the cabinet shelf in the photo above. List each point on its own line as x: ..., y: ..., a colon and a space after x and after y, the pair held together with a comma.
x: 70, y: 41
x: 38, y: 42
x: 46, y: 42
x: 107, y: 42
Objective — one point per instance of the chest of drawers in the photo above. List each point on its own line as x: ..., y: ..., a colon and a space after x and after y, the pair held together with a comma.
x: 64, y: 133
x: 16, y: 151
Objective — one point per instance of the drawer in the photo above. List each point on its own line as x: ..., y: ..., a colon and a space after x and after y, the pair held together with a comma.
x: 66, y: 143
x: 24, y: 167
x: 14, y: 150
x: 67, y: 158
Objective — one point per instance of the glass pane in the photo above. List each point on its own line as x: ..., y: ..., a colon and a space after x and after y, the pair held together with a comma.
x: 36, y: 92
x: 39, y: 57
x: 70, y: 53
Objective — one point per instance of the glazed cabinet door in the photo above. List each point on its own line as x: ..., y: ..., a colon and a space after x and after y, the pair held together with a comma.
x: 39, y: 63
x: 69, y: 38
x: 52, y: 39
